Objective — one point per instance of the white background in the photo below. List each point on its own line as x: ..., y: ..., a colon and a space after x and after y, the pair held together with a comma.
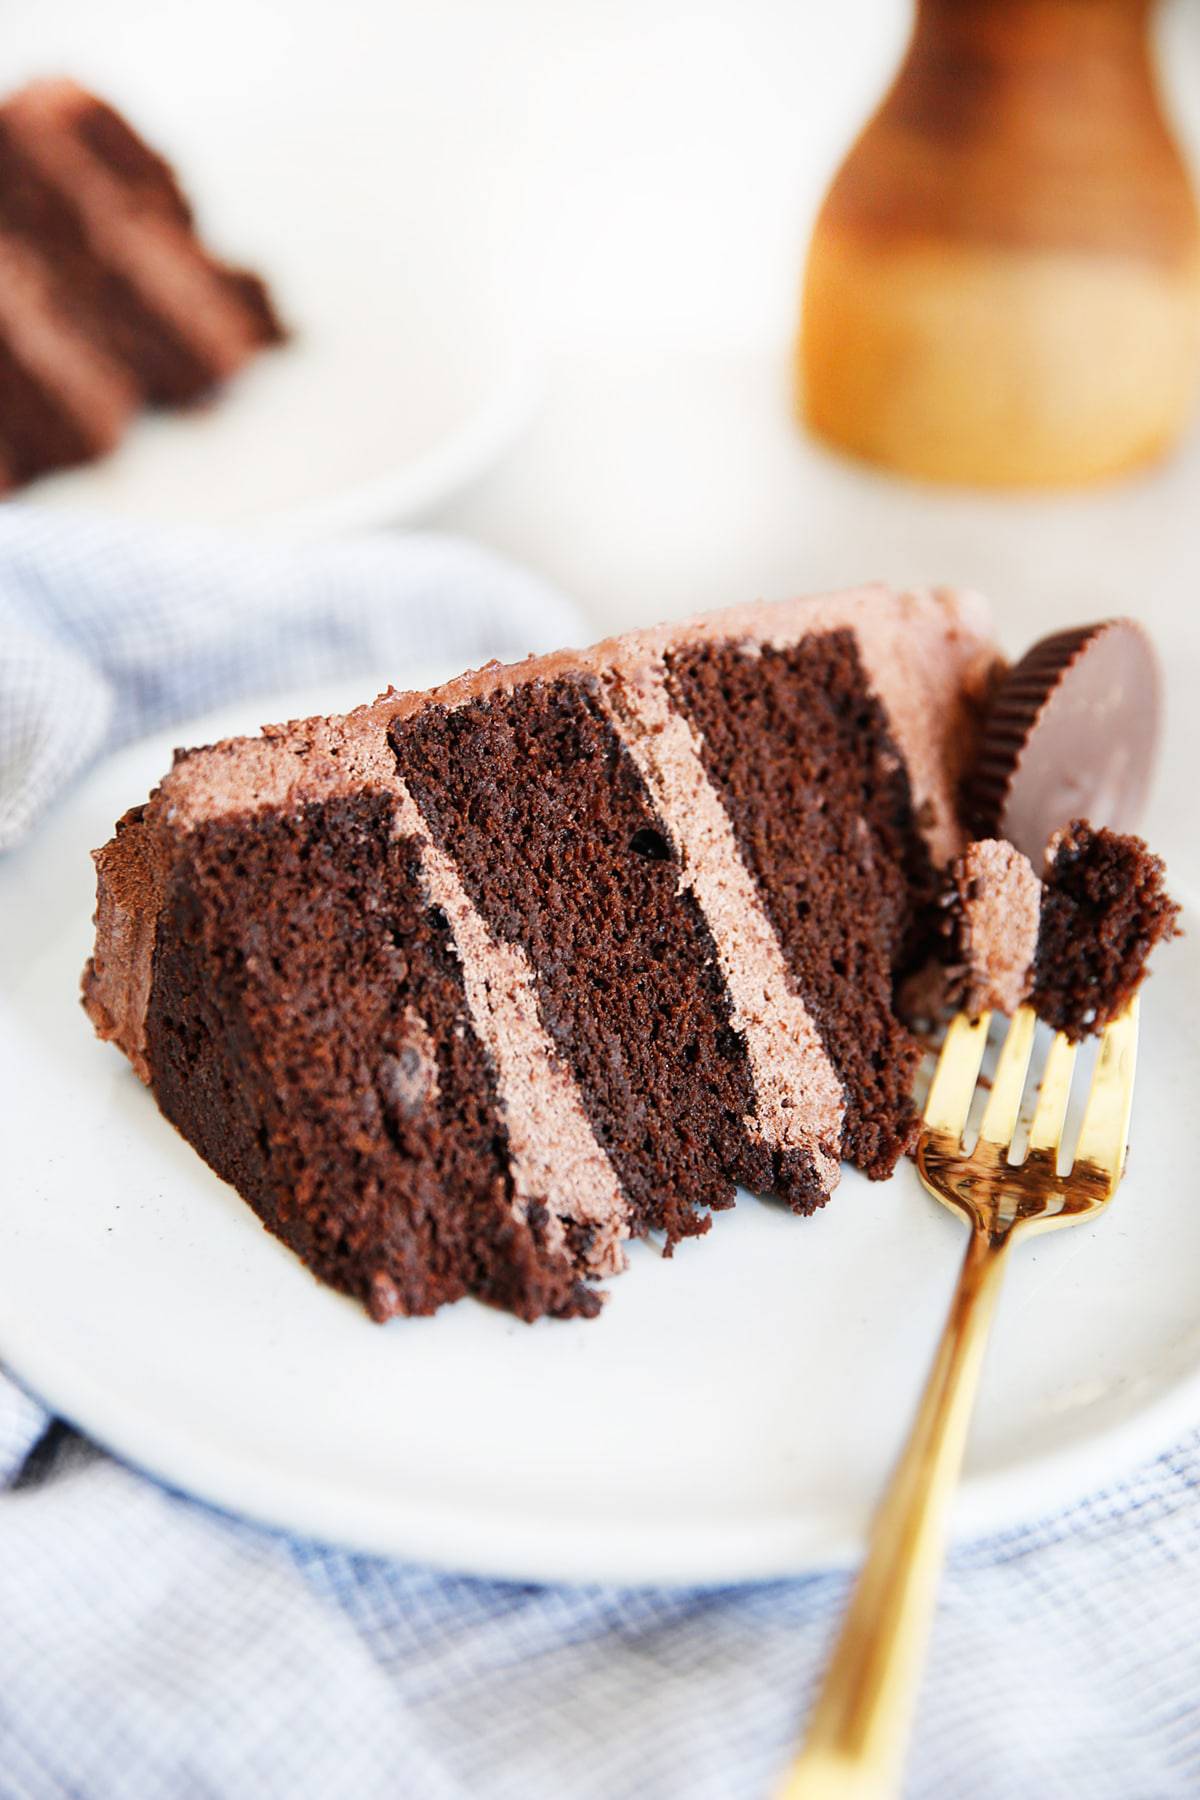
x: 643, y: 174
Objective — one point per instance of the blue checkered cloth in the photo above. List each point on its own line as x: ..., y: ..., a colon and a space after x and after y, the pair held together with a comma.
x: 154, y: 1649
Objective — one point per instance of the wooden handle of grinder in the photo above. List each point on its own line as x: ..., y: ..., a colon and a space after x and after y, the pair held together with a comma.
x: 1003, y: 286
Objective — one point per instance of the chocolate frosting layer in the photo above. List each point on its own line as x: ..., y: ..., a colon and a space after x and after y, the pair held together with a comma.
x: 1000, y: 901
x: 130, y: 885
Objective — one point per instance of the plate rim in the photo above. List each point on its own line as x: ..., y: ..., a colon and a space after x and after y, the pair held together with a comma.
x: 399, y: 496
x: 405, y: 494
x: 509, y: 1547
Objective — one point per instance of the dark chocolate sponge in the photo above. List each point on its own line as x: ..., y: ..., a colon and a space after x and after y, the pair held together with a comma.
x: 1104, y: 908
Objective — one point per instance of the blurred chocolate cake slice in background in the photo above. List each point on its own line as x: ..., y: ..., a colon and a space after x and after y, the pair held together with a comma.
x: 109, y: 301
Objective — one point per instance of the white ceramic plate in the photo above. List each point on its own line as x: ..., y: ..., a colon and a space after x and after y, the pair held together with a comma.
x: 408, y: 371
x: 732, y: 1413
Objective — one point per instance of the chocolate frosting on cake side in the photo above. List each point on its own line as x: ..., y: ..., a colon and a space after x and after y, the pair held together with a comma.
x: 131, y: 873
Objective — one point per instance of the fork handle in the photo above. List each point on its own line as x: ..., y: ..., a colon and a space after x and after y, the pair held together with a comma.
x: 859, y: 1726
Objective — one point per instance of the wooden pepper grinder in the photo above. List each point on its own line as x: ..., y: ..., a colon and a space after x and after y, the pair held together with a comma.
x: 1003, y: 286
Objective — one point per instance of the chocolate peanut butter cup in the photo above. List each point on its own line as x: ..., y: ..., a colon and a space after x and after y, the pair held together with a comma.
x: 1072, y: 733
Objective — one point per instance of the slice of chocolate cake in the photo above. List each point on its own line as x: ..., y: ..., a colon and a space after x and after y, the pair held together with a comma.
x: 465, y: 988
x: 108, y: 299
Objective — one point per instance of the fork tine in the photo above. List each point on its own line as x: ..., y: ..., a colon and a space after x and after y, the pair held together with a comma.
x: 953, y: 1086
x: 1104, y: 1135
x: 1004, y: 1101
x: 1054, y: 1095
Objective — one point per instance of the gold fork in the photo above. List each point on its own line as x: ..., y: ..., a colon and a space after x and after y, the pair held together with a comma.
x: 859, y: 1725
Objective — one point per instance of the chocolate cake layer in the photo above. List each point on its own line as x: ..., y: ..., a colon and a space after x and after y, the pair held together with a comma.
x: 1104, y: 908
x: 309, y: 1034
